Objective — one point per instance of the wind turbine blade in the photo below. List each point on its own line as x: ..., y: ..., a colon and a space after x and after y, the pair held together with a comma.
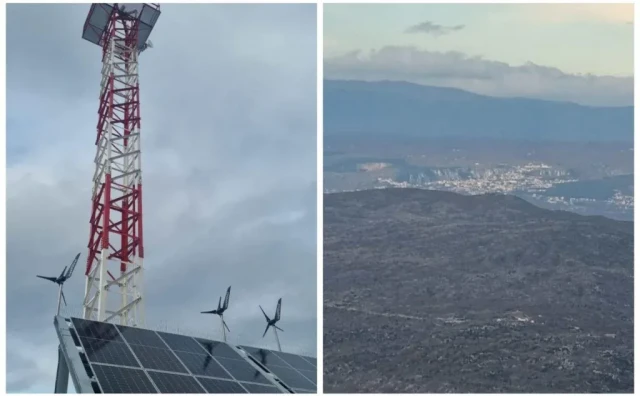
x: 73, y: 266
x: 265, y: 331
x: 277, y: 328
x: 265, y: 315
x: 219, y: 302
x: 226, y: 298
x: 225, y: 325
x: 63, y: 299
x: 49, y: 278
x: 63, y: 271
x: 278, y: 309
x: 209, y: 312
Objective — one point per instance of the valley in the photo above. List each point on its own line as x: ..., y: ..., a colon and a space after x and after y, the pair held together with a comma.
x: 552, y: 175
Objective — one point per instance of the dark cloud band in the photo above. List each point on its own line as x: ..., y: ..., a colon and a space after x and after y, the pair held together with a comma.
x: 479, y: 75
x: 433, y: 29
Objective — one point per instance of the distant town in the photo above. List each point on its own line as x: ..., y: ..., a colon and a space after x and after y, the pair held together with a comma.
x: 533, y: 181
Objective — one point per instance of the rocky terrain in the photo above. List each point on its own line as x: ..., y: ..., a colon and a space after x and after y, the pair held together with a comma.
x: 432, y: 291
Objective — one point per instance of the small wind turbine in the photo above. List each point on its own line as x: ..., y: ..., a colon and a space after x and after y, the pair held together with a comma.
x: 61, y: 279
x: 272, y: 322
x: 220, y: 312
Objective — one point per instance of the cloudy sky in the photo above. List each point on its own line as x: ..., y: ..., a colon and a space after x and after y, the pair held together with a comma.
x: 576, y: 52
x: 229, y: 164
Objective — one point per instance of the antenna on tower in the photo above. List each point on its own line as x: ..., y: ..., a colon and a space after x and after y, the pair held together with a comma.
x: 146, y: 45
x: 61, y: 279
x: 220, y: 312
x: 272, y: 322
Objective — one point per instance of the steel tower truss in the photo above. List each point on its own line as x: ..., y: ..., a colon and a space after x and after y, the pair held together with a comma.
x: 114, y: 272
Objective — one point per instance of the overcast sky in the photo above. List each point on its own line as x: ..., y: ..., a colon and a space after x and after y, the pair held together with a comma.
x: 229, y: 165
x: 576, y: 52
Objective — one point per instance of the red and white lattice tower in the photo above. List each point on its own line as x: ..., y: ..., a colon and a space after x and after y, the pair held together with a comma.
x: 114, y: 272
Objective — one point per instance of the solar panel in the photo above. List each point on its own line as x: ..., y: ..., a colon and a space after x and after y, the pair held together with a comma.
x: 310, y: 375
x: 181, y: 343
x: 135, y: 336
x: 175, y: 383
x: 292, y: 377
x: 108, y: 358
x: 204, y: 365
x: 222, y: 386
x: 255, y: 388
x: 111, y: 352
x: 219, y: 349
x: 158, y: 359
x: 295, y: 361
x: 242, y: 370
x: 115, y: 379
x: 311, y: 360
x: 99, y: 330
x: 295, y: 371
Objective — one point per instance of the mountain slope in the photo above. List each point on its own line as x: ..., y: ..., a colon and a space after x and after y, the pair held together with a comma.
x: 430, y: 291
x: 410, y: 110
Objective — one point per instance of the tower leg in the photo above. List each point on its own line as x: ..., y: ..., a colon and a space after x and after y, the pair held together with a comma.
x: 275, y: 331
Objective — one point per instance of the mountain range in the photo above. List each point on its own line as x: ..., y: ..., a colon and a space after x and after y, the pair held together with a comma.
x: 432, y: 291
x: 401, y: 109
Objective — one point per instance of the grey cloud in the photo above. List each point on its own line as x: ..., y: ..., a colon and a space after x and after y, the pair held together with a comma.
x: 433, y: 29
x: 479, y: 75
x: 229, y: 171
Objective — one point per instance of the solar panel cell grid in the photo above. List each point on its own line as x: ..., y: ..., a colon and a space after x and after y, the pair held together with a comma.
x: 242, y: 371
x: 310, y: 375
x: 266, y: 358
x: 292, y: 378
x: 111, y: 352
x: 89, y: 328
x: 182, y: 343
x: 220, y: 386
x: 311, y: 360
x: 255, y: 388
x: 202, y: 365
x: 295, y: 361
x: 122, y: 380
x: 175, y: 383
x: 158, y: 359
x: 219, y: 349
x: 136, y: 336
